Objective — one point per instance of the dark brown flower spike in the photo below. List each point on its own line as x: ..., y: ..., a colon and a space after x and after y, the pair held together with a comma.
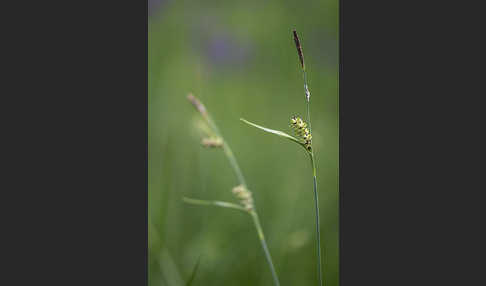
x: 299, y: 49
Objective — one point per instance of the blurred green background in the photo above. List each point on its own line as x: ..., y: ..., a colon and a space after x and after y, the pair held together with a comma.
x: 239, y: 58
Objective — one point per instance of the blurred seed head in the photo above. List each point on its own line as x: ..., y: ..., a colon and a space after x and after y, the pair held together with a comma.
x: 245, y: 197
x: 212, y: 142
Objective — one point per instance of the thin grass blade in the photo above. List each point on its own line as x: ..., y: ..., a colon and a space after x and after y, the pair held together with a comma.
x: 276, y: 132
x: 194, y: 271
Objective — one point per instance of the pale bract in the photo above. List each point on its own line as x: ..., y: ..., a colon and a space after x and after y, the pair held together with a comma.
x: 276, y: 132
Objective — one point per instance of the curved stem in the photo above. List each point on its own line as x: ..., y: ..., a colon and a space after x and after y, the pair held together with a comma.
x: 234, y: 164
x: 228, y: 153
x: 254, y: 215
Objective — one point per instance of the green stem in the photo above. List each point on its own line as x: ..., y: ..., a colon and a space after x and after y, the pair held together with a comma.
x: 228, y: 153
x: 264, y: 246
x: 318, y: 235
x: 234, y: 163
x: 253, y: 213
x: 308, y: 116
x: 314, y: 173
x: 213, y: 203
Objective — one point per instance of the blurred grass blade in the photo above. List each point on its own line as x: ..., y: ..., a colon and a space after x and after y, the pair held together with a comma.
x: 194, y: 271
x: 213, y: 203
x: 276, y: 132
x: 169, y: 269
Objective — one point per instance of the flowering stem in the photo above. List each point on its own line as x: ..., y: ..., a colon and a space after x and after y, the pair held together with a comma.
x: 311, y: 153
x: 316, y: 197
x: 253, y: 213
x: 241, y: 179
x: 318, y: 236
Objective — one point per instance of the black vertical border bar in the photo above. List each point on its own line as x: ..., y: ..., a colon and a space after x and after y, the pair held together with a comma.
x: 145, y: 265
x: 408, y: 214
x: 81, y: 143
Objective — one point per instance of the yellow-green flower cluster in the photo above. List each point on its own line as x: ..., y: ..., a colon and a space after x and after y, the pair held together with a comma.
x: 245, y: 197
x: 302, y: 132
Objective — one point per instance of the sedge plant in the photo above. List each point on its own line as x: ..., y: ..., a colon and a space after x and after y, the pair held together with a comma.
x: 303, y: 137
x: 214, y: 139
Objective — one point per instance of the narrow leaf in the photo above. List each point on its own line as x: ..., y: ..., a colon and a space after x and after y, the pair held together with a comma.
x: 194, y: 271
x: 276, y: 132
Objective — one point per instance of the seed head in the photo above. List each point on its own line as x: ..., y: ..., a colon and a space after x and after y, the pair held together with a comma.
x: 302, y: 132
x: 245, y: 196
x: 212, y: 142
